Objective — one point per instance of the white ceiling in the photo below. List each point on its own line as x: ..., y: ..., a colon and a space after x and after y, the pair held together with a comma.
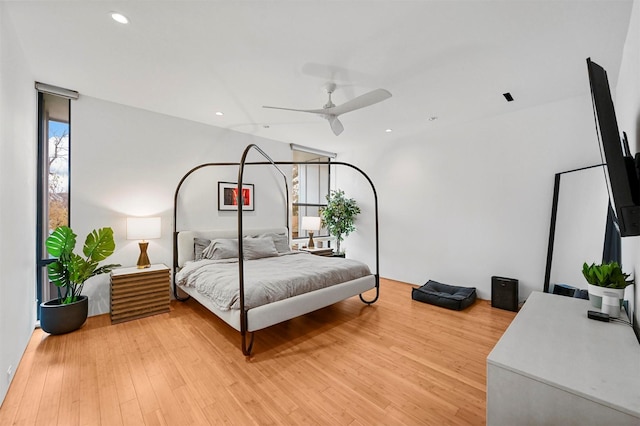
x: 450, y: 59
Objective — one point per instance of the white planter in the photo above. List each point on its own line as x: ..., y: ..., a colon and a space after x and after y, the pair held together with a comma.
x: 596, y: 293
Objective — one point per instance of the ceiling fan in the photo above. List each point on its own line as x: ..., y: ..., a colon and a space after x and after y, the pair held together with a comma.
x: 331, y: 112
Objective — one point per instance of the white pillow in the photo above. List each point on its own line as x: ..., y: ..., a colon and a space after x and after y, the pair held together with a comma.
x: 280, y: 241
x: 257, y: 248
x: 200, y: 245
x: 221, y: 248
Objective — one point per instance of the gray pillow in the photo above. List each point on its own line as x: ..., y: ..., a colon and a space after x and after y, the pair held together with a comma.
x: 280, y: 241
x: 199, y: 245
x: 221, y: 248
x: 257, y: 248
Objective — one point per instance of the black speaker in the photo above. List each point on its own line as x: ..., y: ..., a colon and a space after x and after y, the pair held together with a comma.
x: 504, y: 293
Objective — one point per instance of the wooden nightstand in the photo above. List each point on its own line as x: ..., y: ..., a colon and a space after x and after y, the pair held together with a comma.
x: 328, y: 251
x: 137, y: 293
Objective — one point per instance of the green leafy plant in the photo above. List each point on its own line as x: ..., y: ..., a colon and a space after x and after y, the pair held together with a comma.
x: 339, y: 215
x: 70, y: 271
x: 608, y: 275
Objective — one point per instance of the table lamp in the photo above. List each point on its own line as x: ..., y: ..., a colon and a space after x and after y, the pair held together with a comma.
x: 143, y: 228
x: 310, y: 224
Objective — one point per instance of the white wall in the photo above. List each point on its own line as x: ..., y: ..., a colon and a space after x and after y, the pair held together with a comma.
x: 17, y: 192
x: 627, y: 103
x: 461, y: 204
x: 128, y: 162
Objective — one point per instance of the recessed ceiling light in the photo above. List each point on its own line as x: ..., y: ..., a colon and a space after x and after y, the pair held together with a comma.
x: 389, y: 130
x: 433, y: 118
x: 119, y: 17
x: 219, y: 113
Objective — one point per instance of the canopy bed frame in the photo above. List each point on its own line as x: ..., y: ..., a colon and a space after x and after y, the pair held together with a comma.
x: 248, y: 319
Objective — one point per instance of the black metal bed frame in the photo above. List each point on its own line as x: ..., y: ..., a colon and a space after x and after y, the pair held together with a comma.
x: 247, y: 346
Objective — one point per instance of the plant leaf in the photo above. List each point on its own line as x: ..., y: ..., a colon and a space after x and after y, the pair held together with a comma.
x: 104, y: 269
x: 58, y: 274
x: 61, y: 241
x: 99, y: 244
x: 77, y: 267
x: 608, y: 275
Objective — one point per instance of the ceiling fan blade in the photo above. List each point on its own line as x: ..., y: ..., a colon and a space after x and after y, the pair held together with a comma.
x: 361, y: 101
x: 335, y: 124
x: 313, y: 111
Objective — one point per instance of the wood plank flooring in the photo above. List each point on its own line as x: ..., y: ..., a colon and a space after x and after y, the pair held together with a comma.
x: 395, y: 362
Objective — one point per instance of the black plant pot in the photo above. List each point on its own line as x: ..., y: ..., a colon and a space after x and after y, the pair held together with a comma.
x: 56, y: 318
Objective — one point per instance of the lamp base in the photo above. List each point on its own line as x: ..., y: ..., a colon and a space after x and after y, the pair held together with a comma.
x: 143, y: 259
x: 310, y: 244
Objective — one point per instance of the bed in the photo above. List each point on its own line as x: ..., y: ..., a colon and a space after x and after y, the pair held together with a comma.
x: 251, y: 279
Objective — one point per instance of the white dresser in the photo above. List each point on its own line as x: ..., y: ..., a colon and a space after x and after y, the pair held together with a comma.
x: 554, y: 366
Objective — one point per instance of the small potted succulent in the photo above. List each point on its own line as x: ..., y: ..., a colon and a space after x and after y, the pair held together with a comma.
x: 605, y: 277
x: 69, y: 271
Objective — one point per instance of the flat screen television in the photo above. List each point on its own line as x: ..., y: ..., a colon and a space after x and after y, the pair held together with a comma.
x: 621, y: 169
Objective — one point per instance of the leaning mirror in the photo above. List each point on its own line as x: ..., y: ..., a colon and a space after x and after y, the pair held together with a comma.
x: 578, y: 225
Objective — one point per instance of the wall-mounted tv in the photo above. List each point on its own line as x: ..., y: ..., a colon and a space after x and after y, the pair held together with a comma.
x: 622, y: 181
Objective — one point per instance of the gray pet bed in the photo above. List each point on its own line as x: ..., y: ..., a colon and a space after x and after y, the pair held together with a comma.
x: 447, y: 296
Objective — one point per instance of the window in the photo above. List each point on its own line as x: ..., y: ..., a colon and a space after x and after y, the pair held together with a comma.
x: 311, y: 183
x: 54, y: 135
x: 58, y: 174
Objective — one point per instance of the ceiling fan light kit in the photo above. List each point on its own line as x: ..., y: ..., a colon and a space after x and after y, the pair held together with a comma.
x: 331, y: 112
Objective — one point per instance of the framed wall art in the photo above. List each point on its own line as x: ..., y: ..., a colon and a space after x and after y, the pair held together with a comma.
x: 228, y: 196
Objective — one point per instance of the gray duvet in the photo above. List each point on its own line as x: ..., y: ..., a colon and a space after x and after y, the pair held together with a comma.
x: 269, y: 279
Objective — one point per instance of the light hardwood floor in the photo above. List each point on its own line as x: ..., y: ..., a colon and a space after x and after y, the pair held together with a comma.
x: 395, y: 362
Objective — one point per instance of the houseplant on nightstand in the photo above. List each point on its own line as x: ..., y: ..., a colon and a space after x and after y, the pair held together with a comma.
x: 605, y: 277
x: 69, y: 271
x: 339, y: 216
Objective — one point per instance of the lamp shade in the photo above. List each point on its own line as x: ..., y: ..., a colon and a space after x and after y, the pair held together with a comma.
x: 143, y: 228
x: 311, y: 223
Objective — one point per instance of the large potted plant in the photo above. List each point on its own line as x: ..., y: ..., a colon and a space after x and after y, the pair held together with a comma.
x: 339, y: 216
x: 69, y: 271
x: 605, y: 277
